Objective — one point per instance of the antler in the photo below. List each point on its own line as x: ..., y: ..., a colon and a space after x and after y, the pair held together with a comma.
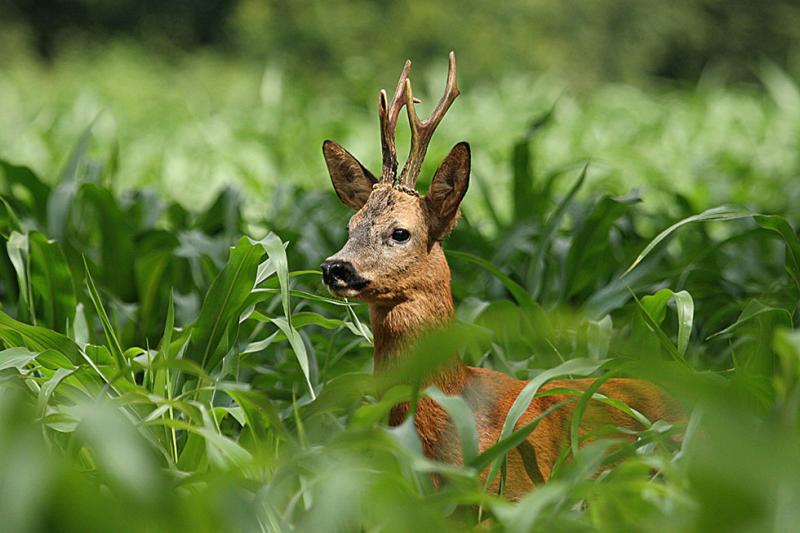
x: 422, y: 131
x: 389, y: 114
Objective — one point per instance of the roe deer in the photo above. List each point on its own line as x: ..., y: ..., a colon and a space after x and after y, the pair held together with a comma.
x: 393, y: 260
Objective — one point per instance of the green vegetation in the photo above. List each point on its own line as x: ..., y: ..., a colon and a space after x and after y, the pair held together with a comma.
x: 170, y: 359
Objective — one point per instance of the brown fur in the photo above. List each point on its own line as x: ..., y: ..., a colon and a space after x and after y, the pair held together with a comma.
x: 408, y: 290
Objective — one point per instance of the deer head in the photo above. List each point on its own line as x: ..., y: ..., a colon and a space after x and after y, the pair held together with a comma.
x: 393, y: 252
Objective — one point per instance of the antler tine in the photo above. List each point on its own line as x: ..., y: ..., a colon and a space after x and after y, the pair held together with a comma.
x: 422, y: 131
x: 389, y: 112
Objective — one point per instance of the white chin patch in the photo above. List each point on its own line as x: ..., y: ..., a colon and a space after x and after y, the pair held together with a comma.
x: 344, y: 292
x: 350, y: 293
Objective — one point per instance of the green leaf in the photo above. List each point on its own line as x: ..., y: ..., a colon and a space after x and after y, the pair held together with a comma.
x: 276, y: 250
x: 17, y: 357
x: 59, y: 207
x: 580, y: 409
x: 463, y: 420
x: 726, y: 212
x: 224, y: 302
x: 752, y: 310
x: 80, y: 327
x: 61, y: 199
x: 112, y: 340
x: 51, y: 279
x: 534, y: 312
x: 298, y: 347
x: 656, y: 307
x: 37, y: 339
x: 598, y: 337
x: 573, y: 367
x: 18, y: 248
x: 76, y: 156
x: 155, y: 271
x: 9, y: 221
x: 259, y: 411
x: 780, y: 225
x: 589, y: 240
x: 39, y: 191
x: 653, y: 309
x: 684, y: 305
x: 524, y: 199
x: 302, y: 319
x: 535, y: 507
x: 49, y: 387
x: 116, y: 265
x: 549, y: 231
x: 499, y: 449
x: 367, y: 415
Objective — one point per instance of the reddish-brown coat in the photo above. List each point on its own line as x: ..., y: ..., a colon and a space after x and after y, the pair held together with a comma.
x: 406, y: 283
x: 490, y: 394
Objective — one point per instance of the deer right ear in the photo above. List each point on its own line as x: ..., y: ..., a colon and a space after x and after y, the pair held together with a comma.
x: 351, y: 181
x: 447, y: 189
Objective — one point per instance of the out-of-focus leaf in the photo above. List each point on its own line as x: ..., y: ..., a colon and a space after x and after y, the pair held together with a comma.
x: 535, y: 314
x: 463, y: 419
x: 728, y: 212
x: 550, y: 228
x: 224, y: 215
x: 36, y: 188
x: 752, y: 310
x: 155, y: 269
x: 524, y: 198
x: 116, y: 266
x: 781, y: 226
x: 49, y: 387
x: 534, y: 507
x: 591, y: 239
x: 18, y: 247
x: 51, y: 281
x: 406, y: 435
x: 80, y: 327
x: 598, y: 335
x: 61, y: 199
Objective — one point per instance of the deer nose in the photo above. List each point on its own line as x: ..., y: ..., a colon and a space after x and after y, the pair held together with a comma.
x: 338, y: 272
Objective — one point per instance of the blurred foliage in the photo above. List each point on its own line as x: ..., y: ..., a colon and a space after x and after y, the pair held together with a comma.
x: 586, y: 41
x: 192, y: 127
x: 158, y: 371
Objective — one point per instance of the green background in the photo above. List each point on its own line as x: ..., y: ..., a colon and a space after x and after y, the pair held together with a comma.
x: 632, y: 211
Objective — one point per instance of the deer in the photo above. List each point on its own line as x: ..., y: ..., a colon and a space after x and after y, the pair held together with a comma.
x: 393, y: 261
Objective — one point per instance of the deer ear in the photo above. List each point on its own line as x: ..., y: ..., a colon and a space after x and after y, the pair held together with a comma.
x: 351, y: 181
x: 448, y: 188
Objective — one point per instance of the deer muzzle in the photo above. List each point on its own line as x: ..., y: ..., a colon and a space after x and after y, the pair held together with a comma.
x: 342, y: 278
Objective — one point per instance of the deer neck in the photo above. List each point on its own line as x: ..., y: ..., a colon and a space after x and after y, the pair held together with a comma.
x: 397, y: 323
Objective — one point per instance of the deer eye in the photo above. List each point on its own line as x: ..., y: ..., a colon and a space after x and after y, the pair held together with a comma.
x: 400, y: 235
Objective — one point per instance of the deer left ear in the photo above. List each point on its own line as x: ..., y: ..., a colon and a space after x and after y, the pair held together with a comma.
x: 448, y: 188
x: 351, y: 180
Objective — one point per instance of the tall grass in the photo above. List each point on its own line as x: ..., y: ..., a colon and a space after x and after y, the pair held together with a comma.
x: 162, y: 371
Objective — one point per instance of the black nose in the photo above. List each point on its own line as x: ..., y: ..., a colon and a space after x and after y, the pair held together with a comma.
x: 338, y: 272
